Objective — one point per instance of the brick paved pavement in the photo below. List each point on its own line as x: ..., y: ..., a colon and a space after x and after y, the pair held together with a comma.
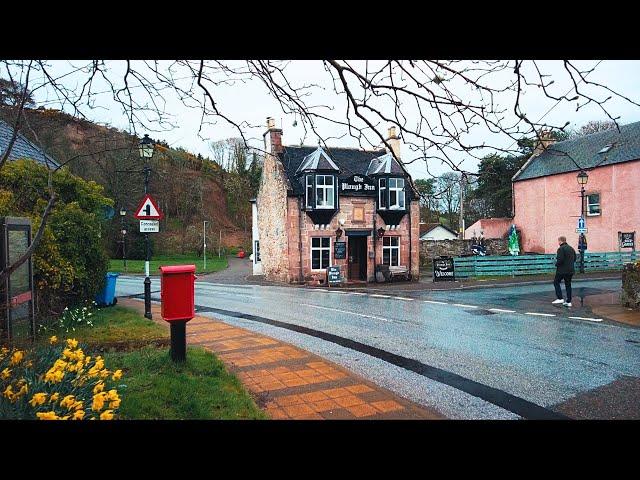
x: 290, y: 383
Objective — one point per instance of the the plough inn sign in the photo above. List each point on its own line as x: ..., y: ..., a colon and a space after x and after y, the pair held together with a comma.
x: 358, y: 185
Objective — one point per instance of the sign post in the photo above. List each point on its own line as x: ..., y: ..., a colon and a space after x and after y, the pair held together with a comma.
x: 149, y: 213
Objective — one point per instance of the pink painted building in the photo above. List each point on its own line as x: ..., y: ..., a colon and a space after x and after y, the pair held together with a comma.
x: 547, y: 195
x: 488, y: 228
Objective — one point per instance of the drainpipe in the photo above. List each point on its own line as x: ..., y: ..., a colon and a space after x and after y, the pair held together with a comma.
x: 301, y: 276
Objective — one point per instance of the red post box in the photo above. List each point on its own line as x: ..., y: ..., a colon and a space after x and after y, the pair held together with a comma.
x: 177, y: 292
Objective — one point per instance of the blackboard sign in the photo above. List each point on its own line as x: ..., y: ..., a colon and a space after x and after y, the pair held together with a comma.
x: 333, y: 275
x: 627, y: 240
x: 340, y: 250
x: 358, y: 185
x: 443, y: 269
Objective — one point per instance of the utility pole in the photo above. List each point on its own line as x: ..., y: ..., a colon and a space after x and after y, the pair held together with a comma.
x: 463, y: 181
x: 219, y: 243
x: 204, y: 243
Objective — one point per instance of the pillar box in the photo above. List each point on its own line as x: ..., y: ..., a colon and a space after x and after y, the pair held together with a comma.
x: 177, y: 293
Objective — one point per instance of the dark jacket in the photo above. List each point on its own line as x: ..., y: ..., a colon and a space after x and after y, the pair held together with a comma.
x: 565, y: 259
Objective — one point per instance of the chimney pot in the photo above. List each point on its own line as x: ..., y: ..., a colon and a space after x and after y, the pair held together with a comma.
x: 271, y: 123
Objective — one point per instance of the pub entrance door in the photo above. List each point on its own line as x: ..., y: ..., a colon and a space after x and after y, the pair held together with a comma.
x: 357, y: 258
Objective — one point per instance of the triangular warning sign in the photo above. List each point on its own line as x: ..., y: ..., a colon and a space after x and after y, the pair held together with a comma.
x: 148, y: 209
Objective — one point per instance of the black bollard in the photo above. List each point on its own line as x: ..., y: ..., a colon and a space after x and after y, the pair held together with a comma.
x: 178, y: 341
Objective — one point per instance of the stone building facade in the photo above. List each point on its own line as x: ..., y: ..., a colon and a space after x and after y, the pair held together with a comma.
x: 319, y: 207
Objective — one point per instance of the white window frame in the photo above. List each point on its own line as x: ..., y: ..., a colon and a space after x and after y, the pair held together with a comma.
x: 326, y: 189
x: 589, y: 214
x: 382, y: 192
x: 391, y: 247
x: 398, y: 205
x: 320, y: 249
x: 310, y: 199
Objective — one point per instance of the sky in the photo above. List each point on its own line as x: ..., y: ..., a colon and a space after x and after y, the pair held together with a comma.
x: 250, y: 102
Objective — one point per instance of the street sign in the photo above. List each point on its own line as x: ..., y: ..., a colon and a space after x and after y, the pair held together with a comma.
x: 581, y: 225
x: 148, y: 209
x: 149, y: 226
x: 581, y: 230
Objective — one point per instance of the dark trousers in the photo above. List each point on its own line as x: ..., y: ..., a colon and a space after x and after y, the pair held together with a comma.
x: 567, y: 284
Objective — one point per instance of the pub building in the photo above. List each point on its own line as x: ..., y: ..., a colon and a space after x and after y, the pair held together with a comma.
x: 320, y: 207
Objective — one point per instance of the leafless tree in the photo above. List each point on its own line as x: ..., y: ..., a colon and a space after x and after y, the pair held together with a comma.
x: 436, y: 105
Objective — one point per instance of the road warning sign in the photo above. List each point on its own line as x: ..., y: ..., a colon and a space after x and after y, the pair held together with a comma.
x: 148, y: 209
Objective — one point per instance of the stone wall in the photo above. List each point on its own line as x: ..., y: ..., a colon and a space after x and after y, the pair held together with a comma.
x: 272, y: 218
x: 455, y: 248
x: 631, y: 285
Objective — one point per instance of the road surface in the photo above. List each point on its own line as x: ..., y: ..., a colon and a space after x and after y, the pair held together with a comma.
x: 495, y: 353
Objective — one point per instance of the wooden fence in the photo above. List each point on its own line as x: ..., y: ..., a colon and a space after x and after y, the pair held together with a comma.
x: 536, y: 264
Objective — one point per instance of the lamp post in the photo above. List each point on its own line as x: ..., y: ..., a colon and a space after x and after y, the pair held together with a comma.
x: 123, y: 213
x: 583, y: 178
x: 204, y: 243
x: 146, y: 147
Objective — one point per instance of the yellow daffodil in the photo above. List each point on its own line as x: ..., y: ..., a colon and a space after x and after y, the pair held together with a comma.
x: 67, y: 401
x: 6, y: 373
x: 117, y: 375
x: 67, y: 353
x: 8, y: 392
x: 87, y: 359
x: 53, y: 340
x: 105, y: 373
x: 72, y: 343
x: 98, y: 388
x: 54, y: 397
x: 77, y: 405
x: 112, y: 395
x: 17, y: 357
x: 106, y: 415
x: 78, y: 415
x: 98, y: 402
x: 47, y: 416
x: 114, y: 404
x: 38, y: 399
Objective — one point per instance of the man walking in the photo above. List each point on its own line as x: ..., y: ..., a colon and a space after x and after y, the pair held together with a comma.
x: 565, y: 259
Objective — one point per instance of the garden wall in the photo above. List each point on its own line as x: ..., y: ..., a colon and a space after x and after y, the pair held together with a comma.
x: 456, y: 248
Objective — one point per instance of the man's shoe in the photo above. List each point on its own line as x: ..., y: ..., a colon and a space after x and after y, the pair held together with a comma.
x: 559, y: 300
x: 567, y: 304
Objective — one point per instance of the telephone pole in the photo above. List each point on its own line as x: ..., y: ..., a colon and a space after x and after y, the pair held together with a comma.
x: 463, y: 183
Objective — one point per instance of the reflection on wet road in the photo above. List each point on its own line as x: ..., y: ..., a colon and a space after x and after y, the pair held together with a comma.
x: 509, y: 340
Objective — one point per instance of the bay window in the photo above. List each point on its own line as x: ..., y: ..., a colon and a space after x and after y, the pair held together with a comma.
x: 320, y: 253
x: 391, y: 251
x: 391, y: 194
x: 320, y: 192
x: 382, y: 193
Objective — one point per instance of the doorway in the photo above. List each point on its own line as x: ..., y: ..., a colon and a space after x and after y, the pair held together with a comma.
x: 358, y: 258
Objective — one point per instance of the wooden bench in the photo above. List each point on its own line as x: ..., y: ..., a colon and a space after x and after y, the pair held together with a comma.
x: 399, y: 272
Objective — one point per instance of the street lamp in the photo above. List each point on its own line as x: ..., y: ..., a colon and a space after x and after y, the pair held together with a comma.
x: 583, y: 178
x: 204, y: 244
x: 146, y: 148
x: 123, y: 213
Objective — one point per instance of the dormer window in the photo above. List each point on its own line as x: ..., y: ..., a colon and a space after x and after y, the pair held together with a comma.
x: 391, y: 195
x: 320, y: 192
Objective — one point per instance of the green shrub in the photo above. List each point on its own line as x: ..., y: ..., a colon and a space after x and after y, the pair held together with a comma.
x: 70, y: 262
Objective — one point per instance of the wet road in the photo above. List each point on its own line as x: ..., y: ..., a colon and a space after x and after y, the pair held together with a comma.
x: 480, y: 354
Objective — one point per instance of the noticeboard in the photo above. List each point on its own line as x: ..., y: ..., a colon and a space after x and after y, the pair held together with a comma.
x: 333, y: 275
x: 17, y: 315
x: 340, y: 250
x: 627, y: 240
x: 443, y: 269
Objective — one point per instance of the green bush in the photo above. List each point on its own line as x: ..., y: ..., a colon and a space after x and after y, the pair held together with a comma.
x: 70, y: 263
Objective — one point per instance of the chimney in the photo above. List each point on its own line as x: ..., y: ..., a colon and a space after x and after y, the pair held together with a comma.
x: 394, y: 141
x: 545, y: 141
x: 273, y: 137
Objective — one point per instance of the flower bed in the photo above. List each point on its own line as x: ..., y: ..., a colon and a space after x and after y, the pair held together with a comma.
x: 56, y: 381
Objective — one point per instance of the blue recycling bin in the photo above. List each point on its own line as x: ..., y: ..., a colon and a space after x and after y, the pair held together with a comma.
x: 107, y: 295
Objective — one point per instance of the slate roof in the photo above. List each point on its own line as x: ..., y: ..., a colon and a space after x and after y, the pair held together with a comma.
x: 22, y: 148
x: 584, y: 150
x: 350, y: 161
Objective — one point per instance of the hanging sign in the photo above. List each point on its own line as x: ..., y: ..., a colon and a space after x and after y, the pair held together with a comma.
x: 339, y: 250
x: 148, y: 209
x: 627, y: 239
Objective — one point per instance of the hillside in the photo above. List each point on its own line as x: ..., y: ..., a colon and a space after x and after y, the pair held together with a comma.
x: 189, y: 188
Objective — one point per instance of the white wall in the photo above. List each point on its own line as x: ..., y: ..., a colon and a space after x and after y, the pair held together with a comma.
x: 438, y: 233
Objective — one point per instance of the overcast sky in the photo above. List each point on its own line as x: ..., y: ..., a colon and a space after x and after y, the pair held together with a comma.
x: 252, y: 103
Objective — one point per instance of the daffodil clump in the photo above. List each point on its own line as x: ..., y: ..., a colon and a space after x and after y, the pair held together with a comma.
x: 76, y: 317
x: 59, y: 382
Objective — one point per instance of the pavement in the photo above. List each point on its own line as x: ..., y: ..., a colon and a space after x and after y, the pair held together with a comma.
x: 291, y: 383
x: 484, y: 353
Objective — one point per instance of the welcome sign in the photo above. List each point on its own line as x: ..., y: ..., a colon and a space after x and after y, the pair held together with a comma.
x: 358, y: 185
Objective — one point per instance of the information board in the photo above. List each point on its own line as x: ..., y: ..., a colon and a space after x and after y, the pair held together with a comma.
x: 340, y: 250
x: 627, y: 240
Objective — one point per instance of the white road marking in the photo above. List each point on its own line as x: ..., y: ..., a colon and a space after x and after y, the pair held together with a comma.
x: 320, y: 290
x: 501, y: 310
x: 465, y: 306
x: 433, y: 301
x: 540, y: 314
x: 586, y: 318
x: 356, y: 293
x: 346, y: 311
x: 377, y: 295
x: 403, y: 298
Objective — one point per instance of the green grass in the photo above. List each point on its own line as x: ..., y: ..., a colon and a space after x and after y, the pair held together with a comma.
x: 200, y: 388
x: 214, y: 263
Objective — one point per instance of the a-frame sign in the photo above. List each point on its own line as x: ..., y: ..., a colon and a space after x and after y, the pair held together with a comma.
x: 148, y: 209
